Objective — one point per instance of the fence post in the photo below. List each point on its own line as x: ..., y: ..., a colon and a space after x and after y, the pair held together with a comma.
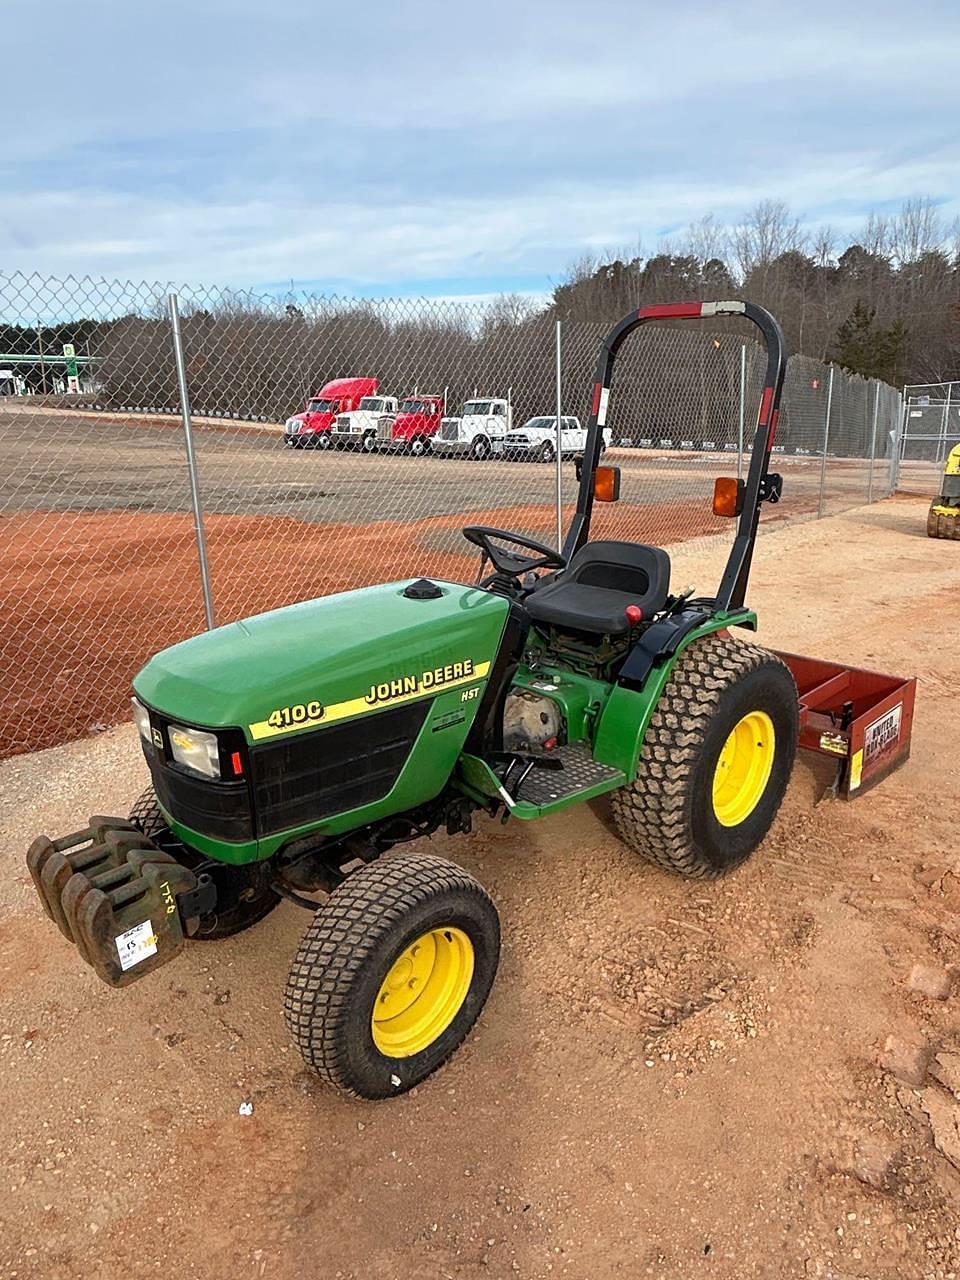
x: 873, y: 439
x: 826, y: 437
x: 559, y: 458
x: 191, y: 459
x: 942, y: 449
x: 897, y: 435
x: 743, y: 407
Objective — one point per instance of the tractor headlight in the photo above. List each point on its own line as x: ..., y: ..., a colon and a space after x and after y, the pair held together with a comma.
x: 195, y: 749
x: 141, y: 718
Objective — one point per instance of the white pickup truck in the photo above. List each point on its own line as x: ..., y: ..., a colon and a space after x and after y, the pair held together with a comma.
x: 537, y: 439
x: 358, y: 428
x: 478, y: 432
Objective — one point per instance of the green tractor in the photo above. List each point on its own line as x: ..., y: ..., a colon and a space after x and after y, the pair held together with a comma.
x: 292, y: 752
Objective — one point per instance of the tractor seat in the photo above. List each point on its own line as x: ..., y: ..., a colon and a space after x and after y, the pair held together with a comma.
x: 601, y: 580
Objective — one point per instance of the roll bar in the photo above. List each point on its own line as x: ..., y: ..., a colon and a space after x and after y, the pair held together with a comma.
x: 733, y: 585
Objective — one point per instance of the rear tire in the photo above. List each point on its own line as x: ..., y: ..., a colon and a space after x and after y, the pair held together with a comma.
x: 362, y: 952
x: 715, y: 761
x: 246, y: 888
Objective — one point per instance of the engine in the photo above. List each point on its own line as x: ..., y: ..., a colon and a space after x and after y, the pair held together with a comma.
x: 531, y: 722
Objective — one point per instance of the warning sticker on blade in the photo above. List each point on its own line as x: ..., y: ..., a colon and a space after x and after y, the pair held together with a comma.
x: 883, y: 735
x: 138, y: 943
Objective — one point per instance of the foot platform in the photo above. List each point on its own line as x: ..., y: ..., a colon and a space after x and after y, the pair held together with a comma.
x: 580, y: 772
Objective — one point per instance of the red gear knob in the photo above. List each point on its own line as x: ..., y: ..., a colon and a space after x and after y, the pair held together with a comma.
x: 634, y: 614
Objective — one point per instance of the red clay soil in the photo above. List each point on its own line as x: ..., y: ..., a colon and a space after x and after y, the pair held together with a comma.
x: 85, y: 599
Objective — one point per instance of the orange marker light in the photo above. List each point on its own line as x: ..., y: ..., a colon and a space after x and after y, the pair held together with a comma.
x: 727, y: 496
x: 606, y: 484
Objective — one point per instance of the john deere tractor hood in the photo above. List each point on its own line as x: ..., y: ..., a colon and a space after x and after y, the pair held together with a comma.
x: 326, y: 660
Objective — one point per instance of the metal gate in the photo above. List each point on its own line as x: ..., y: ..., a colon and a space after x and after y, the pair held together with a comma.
x: 930, y: 429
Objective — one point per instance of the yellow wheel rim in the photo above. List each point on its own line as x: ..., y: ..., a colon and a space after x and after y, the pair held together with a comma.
x: 744, y: 768
x: 423, y: 992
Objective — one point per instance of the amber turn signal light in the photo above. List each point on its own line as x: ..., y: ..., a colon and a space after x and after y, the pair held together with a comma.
x: 727, y: 496
x: 606, y: 484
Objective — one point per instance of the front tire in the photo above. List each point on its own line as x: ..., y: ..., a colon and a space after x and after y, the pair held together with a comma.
x: 480, y: 449
x: 369, y: 442
x: 392, y: 974
x: 715, y: 762
x: 547, y: 452
x: 322, y: 440
x: 419, y: 448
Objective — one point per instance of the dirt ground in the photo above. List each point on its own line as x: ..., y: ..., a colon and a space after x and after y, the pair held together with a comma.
x: 670, y: 1079
x: 98, y: 562
x: 78, y: 619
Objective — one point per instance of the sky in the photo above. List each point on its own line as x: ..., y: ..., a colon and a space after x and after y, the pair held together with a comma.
x: 445, y: 149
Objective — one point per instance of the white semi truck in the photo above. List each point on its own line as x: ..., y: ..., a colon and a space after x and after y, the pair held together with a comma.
x: 478, y: 432
x: 357, y: 429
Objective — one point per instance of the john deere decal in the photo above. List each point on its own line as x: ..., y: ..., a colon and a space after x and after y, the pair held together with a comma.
x: 311, y: 715
x: 452, y: 673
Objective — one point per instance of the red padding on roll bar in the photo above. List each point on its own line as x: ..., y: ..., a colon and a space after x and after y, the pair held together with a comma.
x: 595, y: 407
x: 670, y: 310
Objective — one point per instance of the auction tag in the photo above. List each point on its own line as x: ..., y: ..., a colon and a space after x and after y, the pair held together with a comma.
x: 138, y: 943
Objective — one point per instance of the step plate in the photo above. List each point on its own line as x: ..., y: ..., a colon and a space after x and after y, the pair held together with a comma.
x: 580, y: 772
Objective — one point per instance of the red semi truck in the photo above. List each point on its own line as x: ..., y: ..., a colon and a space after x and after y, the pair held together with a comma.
x: 410, y: 430
x: 312, y: 427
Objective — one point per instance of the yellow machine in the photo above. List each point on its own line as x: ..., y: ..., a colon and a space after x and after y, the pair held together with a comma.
x: 943, y: 518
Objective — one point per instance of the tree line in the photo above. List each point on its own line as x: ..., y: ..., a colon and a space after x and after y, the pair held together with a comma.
x: 884, y: 303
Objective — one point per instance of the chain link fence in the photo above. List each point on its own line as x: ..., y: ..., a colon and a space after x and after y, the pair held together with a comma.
x: 931, y: 428
x: 338, y: 443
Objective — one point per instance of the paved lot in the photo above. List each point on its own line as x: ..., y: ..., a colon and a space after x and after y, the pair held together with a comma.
x: 67, y: 461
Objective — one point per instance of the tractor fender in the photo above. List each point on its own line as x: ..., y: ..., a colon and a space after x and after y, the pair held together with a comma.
x: 626, y: 713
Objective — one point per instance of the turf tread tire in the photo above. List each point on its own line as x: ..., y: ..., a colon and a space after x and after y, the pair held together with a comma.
x: 145, y: 812
x: 653, y: 813
x: 343, y: 948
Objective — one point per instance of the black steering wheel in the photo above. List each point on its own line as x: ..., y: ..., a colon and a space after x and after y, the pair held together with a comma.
x: 508, y: 562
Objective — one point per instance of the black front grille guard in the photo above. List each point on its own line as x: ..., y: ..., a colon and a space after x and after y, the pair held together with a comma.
x: 733, y: 585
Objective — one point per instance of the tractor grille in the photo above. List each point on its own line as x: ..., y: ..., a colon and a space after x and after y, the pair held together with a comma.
x: 313, y: 775
x: 450, y: 429
x: 385, y: 429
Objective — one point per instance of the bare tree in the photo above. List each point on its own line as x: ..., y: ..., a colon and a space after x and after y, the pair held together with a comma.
x: 916, y: 230
x: 707, y: 239
x: 767, y: 231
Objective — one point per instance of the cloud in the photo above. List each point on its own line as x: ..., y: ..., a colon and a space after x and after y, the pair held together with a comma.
x: 396, y: 144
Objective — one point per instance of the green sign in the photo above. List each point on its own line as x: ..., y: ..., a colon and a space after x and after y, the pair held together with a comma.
x: 69, y: 352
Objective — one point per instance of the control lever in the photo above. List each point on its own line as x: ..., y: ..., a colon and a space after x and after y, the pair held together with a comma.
x: 677, y: 602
